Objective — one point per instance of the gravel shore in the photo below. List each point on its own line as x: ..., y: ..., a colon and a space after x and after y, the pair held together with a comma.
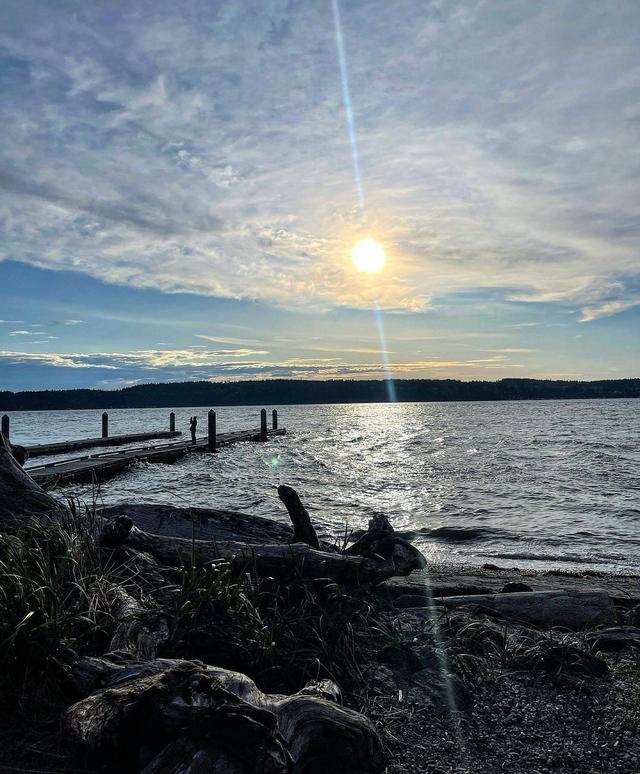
x: 522, y: 724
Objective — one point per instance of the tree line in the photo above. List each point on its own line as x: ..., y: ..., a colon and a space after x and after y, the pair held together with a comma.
x: 297, y: 391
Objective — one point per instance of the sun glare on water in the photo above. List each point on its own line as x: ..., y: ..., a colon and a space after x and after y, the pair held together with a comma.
x: 368, y: 255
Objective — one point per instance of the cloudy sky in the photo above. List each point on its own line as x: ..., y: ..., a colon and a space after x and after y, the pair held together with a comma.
x: 179, y: 197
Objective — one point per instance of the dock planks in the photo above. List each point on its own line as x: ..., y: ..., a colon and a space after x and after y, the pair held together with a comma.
x: 62, y: 447
x: 95, y: 467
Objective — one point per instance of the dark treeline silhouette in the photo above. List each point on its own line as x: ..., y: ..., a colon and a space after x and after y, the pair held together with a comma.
x: 291, y: 391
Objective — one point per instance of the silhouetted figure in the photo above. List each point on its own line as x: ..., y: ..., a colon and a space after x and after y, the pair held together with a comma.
x: 193, y: 424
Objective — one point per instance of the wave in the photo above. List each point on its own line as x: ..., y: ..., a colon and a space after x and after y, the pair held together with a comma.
x: 464, y: 534
x: 556, y: 558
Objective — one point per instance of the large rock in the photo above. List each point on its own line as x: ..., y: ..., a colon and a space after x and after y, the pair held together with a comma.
x: 569, y: 609
x: 615, y: 638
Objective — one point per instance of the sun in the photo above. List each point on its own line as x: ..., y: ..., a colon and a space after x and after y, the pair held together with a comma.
x: 368, y: 255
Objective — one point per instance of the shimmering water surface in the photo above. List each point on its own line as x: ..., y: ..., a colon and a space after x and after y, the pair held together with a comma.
x: 543, y: 484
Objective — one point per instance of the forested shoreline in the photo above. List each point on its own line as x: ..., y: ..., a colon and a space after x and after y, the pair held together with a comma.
x: 297, y: 391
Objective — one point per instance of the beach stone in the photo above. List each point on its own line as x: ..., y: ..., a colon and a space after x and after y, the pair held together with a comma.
x: 615, y: 638
x: 431, y: 687
x: 435, y: 688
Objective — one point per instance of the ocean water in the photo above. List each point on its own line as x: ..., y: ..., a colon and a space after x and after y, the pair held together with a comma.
x: 541, y: 484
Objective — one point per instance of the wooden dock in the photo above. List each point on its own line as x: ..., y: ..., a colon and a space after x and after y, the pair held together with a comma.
x: 96, y: 467
x: 62, y: 447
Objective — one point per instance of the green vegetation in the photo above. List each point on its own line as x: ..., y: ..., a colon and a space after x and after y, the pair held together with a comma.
x: 53, y: 606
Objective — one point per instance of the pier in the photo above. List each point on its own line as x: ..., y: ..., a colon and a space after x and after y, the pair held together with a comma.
x: 63, y: 447
x: 102, y: 465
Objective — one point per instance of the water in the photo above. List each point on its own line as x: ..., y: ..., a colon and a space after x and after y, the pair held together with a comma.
x: 540, y: 484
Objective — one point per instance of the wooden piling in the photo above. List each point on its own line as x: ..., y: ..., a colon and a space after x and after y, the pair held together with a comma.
x: 105, y: 425
x: 172, y: 422
x: 6, y: 424
x: 263, y: 425
x: 274, y: 419
x: 211, y: 428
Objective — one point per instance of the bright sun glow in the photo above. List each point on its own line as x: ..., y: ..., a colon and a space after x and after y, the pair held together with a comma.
x: 368, y: 256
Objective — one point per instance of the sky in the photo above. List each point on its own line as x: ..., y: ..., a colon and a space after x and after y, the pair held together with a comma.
x: 181, y: 186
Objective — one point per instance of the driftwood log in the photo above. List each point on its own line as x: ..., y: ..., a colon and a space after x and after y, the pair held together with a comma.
x: 200, y: 523
x: 377, y: 555
x: 20, y: 497
x: 184, y: 716
x: 381, y: 540
x: 303, y: 531
x: 570, y: 609
x: 139, y: 632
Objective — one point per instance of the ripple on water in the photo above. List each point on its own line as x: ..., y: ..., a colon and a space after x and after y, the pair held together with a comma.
x: 560, y: 478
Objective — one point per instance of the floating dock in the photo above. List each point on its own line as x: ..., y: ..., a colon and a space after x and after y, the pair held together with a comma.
x: 97, y: 467
x: 63, y: 447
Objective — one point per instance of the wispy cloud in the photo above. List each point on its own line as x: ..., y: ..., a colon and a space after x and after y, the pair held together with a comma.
x: 225, y: 339
x: 190, y: 364
x: 608, y: 308
x: 511, y: 350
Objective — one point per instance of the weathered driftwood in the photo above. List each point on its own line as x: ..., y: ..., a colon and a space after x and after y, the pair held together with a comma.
x: 571, y: 609
x: 377, y: 555
x: 21, y: 498
x: 139, y: 632
x: 200, y: 523
x: 184, y: 716
x: 277, y: 560
x: 303, y: 531
x: 381, y: 540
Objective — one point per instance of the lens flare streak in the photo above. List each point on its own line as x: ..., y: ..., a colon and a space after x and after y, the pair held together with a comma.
x: 391, y: 388
x: 346, y: 94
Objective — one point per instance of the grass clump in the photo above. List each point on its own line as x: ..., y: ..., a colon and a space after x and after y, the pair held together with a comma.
x: 281, y: 634
x: 53, y: 603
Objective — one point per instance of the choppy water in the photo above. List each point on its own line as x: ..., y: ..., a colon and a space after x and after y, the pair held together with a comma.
x: 543, y: 484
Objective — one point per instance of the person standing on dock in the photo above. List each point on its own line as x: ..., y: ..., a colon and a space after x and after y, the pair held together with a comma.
x: 193, y: 424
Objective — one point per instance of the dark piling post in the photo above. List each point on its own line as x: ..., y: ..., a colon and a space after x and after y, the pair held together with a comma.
x: 274, y: 419
x: 263, y: 425
x: 211, y: 428
x: 6, y: 423
x: 105, y: 425
x: 172, y: 422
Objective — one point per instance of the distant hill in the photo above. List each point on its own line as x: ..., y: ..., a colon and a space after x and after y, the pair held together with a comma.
x: 291, y: 391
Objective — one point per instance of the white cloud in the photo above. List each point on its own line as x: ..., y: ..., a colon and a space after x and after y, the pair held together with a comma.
x: 607, y: 308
